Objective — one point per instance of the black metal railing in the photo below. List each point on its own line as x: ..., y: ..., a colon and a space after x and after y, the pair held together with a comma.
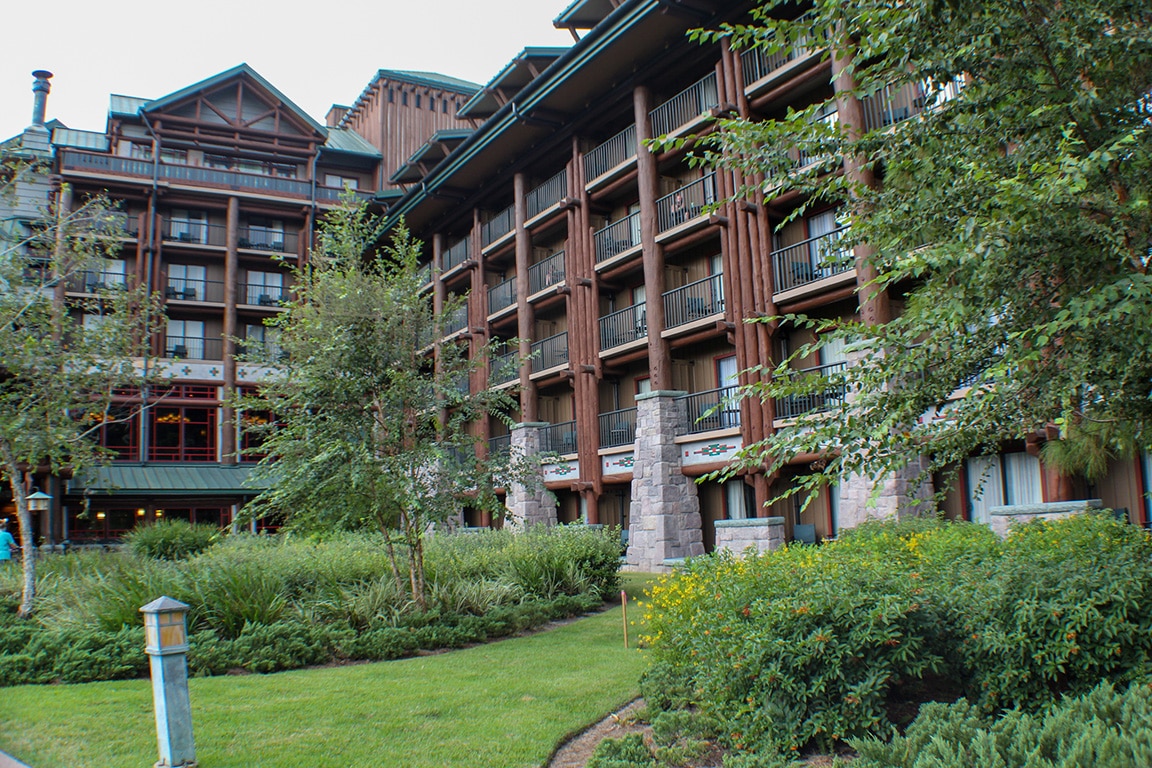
x: 498, y: 226
x: 624, y: 326
x: 889, y: 106
x: 710, y: 410
x: 194, y: 289
x: 336, y: 194
x: 550, y: 352
x: 425, y: 275
x: 194, y: 232
x: 236, y: 180
x: 257, y: 295
x: 686, y: 203
x: 454, y: 256
x: 263, y: 350
x: 500, y: 445
x: 95, y: 281
x: 455, y: 320
x: 686, y: 106
x: 194, y: 348
x: 260, y: 239
x: 558, y: 438
x: 505, y: 368
x: 757, y: 64
x: 502, y: 295
x: 617, y: 237
x: 613, y: 152
x: 546, y: 273
x: 72, y: 160
x: 793, y: 406
x: 694, y: 301
x: 810, y: 260
x: 618, y: 428
x: 547, y: 194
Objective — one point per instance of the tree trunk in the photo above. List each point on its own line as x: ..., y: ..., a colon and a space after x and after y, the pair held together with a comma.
x: 27, y: 535
x: 415, y: 576
x: 392, y: 558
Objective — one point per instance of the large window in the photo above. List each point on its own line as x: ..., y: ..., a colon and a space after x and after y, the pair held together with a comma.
x: 188, y: 226
x: 265, y: 289
x: 186, y: 339
x: 183, y: 434
x: 187, y: 281
x: 119, y: 432
x: 1006, y: 479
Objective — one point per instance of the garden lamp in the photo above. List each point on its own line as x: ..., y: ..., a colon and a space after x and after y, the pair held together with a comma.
x: 38, y: 501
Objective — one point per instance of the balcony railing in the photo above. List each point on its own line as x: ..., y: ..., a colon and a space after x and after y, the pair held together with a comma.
x: 618, y: 428
x: 500, y: 445
x: 334, y: 194
x: 758, y: 64
x: 558, y: 438
x: 502, y: 296
x: 194, y: 348
x: 694, y: 301
x: 550, y: 352
x: 456, y: 320
x: 262, y: 350
x: 120, y: 224
x: 505, y: 368
x: 889, y: 106
x: 194, y: 232
x: 810, y: 260
x: 793, y: 406
x: 498, y: 226
x: 546, y: 273
x: 259, y: 239
x: 425, y: 274
x: 454, y: 256
x: 711, y: 410
x: 194, y: 289
x: 618, y: 149
x: 93, y: 281
x: 100, y: 163
x: 617, y: 237
x: 547, y: 194
x: 686, y: 106
x: 257, y: 295
x: 686, y: 203
x: 624, y: 326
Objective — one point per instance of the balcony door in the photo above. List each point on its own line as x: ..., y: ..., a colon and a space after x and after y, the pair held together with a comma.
x: 186, y: 339
x: 187, y: 281
x: 265, y: 289
x: 822, y: 250
x: 728, y: 376
x: 188, y: 226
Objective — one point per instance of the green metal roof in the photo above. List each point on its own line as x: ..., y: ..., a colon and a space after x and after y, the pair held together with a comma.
x: 167, y: 480
x: 583, y: 14
x: 433, y: 79
x: 222, y: 77
x: 347, y: 140
x: 515, y: 75
x: 125, y: 105
x: 69, y: 137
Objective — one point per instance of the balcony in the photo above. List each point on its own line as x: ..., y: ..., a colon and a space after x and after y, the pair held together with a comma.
x: 546, y: 273
x: 194, y: 289
x: 793, y: 406
x: 711, y: 410
x: 502, y: 296
x: 262, y: 350
x: 497, y: 226
x: 94, y: 282
x: 95, y: 162
x: 694, y: 301
x: 500, y: 445
x: 455, y: 256
x: 618, y: 428
x: 623, y: 326
x: 194, y: 232
x: 547, y: 194
x: 558, y: 438
x: 333, y: 195
x: 811, y: 260
x: 759, y: 65
x: 505, y: 368
x: 889, y: 106
x: 194, y: 348
x: 550, y: 352
x: 686, y: 203
x: 611, y: 154
x: 257, y: 295
x: 456, y: 320
x: 425, y: 275
x: 274, y: 241
x: 617, y: 237
x: 120, y: 224
x: 685, y: 107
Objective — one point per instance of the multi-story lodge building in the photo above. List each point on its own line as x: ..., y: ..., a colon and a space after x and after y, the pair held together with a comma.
x: 220, y: 185
x: 628, y: 280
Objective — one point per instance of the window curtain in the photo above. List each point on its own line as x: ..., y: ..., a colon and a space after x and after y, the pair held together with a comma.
x: 1022, y: 479
x: 985, y: 486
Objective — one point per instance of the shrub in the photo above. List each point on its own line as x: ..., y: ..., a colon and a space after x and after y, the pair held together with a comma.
x: 170, y: 539
x: 1104, y: 727
x: 627, y: 752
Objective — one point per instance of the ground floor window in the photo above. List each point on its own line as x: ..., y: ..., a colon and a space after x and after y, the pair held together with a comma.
x: 1004, y: 479
x: 183, y: 434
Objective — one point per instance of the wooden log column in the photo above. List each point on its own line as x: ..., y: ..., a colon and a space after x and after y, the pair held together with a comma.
x: 525, y: 312
x: 231, y: 276
x: 648, y: 186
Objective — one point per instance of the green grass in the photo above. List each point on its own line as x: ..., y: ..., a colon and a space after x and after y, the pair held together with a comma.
x: 506, y: 704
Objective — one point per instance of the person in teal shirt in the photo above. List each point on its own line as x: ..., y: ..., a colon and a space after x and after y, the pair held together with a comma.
x: 7, y: 543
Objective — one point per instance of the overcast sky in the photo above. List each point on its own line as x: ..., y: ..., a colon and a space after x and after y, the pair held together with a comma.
x: 316, y: 53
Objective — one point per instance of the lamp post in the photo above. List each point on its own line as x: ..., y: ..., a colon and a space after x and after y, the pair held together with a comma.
x: 38, y: 501
x: 166, y: 643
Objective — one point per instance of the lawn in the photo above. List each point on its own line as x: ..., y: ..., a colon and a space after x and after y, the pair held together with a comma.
x: 504, y: 704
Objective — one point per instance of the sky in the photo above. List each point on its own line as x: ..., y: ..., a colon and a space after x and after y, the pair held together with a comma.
x: 316, y: 53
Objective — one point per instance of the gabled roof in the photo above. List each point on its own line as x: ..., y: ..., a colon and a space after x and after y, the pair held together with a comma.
x: 125, y: 105
x: 240, y: 70
x: 438, y: 147
x: 516, y: 74
x: 69, y: 137
x: 430, y: 79
x: 348, y: 141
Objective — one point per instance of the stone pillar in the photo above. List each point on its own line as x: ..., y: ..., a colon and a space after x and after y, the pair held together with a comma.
x: 895, y: 496
x: 762, y: 534
x: 664, y: 522
x: 529, y: 506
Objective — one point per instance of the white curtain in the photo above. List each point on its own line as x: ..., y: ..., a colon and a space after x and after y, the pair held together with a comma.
x: 985, y: 486
x: 734, y: 498
x: 1022, y: 479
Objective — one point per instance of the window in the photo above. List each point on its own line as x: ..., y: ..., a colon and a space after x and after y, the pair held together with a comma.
x: 174, y: 156
x: 264, y: 233
x: 822, y: 251
x: 265, y: 289
x: 404, y: 98
x: 445, y: 106
x: 183, y: 434
x: 186, y: 339
x: 417, y: 101
x: 187, y: 282
x: 112, y: 274
x: 1006, y: 479
x: 739, y: 498
x: 188, y: 226
x: 119, y: 433
x: 260, y: 341
x: 728, y: 375
x: 140, y: 151
x: 282, y: 170
x: 341, y: 182
x: 391, y: 95
x: 217, y: 161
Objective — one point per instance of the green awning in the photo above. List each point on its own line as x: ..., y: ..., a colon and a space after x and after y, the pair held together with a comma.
x: 167, y: 480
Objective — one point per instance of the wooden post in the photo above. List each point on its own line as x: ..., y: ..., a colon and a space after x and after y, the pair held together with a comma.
x: 624, y: 609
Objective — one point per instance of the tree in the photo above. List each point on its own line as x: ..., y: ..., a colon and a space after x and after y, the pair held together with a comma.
x: 370, y: 429
x: 1010, y: 218
x: 58, y: 376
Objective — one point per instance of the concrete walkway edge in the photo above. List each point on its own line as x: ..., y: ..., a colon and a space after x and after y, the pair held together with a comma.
x: 7, y: 761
